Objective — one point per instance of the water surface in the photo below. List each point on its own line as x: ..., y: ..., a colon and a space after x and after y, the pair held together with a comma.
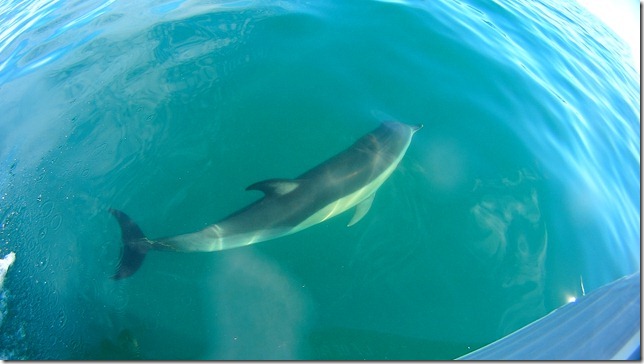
x: 521, y: 191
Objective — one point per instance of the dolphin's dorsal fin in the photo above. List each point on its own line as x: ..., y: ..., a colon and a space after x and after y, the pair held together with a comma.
x: 361, y: 209
x: 275, y: 186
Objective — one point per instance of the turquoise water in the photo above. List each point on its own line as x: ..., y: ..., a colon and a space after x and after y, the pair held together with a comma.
x: 521, y: 191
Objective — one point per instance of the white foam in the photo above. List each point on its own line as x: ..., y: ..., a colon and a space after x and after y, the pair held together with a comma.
x: 5, y: 263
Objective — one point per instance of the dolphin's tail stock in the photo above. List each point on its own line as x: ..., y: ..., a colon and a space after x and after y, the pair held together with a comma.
x: 135, y: 245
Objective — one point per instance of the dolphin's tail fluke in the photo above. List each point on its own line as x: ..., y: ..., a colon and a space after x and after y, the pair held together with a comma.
x: 135, y: 245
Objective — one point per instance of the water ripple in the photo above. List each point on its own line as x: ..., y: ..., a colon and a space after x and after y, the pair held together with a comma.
x: 525, y: 178
x: 30, y: 38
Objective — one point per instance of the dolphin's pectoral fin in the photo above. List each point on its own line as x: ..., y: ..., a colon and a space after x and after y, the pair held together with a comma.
x: 135, y: 245
x: 275, y: 186
x: 361, y: 209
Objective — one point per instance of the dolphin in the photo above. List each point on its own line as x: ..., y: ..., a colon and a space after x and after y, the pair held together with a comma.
x: 350, y: 178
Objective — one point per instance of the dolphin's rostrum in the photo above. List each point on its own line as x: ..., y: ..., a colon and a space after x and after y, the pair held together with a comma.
x: 350, y: 178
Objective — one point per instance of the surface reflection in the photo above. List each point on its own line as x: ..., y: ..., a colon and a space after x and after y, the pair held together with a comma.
x: 515, y: 244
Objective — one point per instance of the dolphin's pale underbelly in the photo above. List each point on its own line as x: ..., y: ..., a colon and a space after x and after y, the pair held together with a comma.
x: 209, y: 239
x: 344, y: 203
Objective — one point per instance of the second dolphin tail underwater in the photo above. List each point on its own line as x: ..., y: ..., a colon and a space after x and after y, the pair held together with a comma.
x: 135, y: 245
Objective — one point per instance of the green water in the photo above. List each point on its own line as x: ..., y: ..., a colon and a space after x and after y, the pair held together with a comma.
x: 521, y: 190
